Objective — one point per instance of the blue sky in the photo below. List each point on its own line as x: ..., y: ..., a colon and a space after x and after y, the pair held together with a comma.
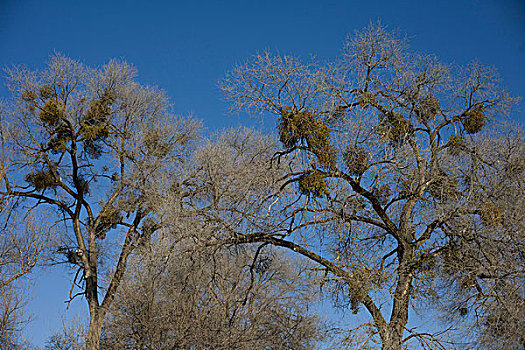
x: 186, y: 47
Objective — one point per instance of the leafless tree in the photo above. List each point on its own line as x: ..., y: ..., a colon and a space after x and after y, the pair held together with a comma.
x: 180, y: 297
x: 483, y: 265
x: 96, y: 147
x: 21, y: 247
x: 187, y: 290
x: 72, y: 336
x: 381, y: 179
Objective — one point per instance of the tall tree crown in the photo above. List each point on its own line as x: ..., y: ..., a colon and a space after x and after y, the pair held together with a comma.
x: 392, y: 158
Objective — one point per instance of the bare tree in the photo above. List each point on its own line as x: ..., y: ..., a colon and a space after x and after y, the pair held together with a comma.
x: 186, y: 290
x: 380, y: 177
x: 18, y: 256
x: 96, y: 147
x: 21, y: 247
x: 72, y: 336
x: 483, y: 266
x: 180, y: 297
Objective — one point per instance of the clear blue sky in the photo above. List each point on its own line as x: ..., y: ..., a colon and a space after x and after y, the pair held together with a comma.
x: 185, y: 47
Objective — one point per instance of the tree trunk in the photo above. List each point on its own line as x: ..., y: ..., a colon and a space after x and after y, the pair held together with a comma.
x: 93, y: 336
x: 392, y: 340
x: 393, y: 336
x: 96, y: 317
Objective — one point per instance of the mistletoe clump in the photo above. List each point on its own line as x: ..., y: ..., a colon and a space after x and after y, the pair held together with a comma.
x: 54, y: 116
x: 427, y: 108
x: 62, y: 134
x: 312, y: 183
x: 109, y: 217
x: 28, y: 96
x: 46, y: 91
x: 474, y: 120
x: 41, y: 179
x: 318, y: 142
x: 443, y: 187
x: 94, y: 124
x: 424, y: 262
x: 382, y: 193
x: 357, y: 160
x: 154, y: 143
x: 362, y: 282
x: 301, y: 126
x: 53, y: 112
x: 396, y: 128
x: 295, y: 126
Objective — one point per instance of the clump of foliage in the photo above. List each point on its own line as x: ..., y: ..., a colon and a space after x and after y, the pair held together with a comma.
x: 362, y: 282
x: 155, y: 144
x: 383, y: 193
x: 109, y: 217
x: 427, y: 108
x: 28, y: 96
x: 46, y: 91
x: 52, y: 112
x: 396, y: 128
x: 313, y: 183
x: 474, y: 120
x: 94, y: 124
x: 357, y: 160
x: 60, y: 138
x: 443, y: 187
x: 301, y: 127
x: 295, y: 126
x: 425, y: 262
x: 319, y: 144
x: 41, y: 179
